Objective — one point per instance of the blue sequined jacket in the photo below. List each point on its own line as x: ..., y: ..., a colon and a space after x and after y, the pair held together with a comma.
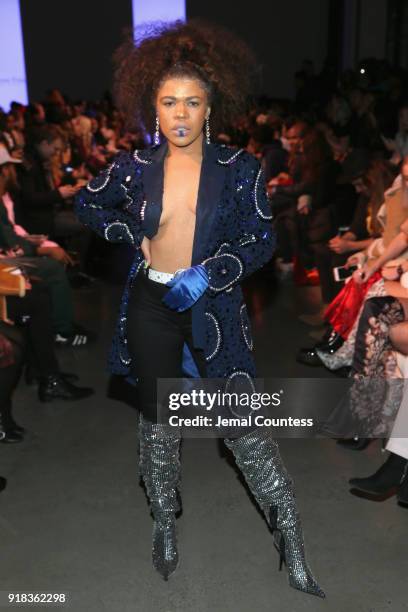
x: 233, y: 235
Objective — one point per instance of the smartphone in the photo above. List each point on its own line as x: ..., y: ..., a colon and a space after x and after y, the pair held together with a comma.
x: 67, y: 178
x: 343, y: 229
x: 341, y: 273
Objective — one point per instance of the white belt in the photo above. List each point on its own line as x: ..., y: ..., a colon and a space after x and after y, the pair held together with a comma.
x: 159, y: 277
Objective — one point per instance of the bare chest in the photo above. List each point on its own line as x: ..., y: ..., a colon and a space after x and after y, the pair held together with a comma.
x: 180, y: 193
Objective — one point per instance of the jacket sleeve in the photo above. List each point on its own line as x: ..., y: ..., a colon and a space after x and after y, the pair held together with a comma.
x: 255, y: 245
x: 106, y: 206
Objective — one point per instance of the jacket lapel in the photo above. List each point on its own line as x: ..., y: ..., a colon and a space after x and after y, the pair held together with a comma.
x: 212, y: 179
x: 153, y: 175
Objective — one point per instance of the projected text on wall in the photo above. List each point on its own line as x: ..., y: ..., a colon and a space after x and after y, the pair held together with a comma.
x: 12, y: 67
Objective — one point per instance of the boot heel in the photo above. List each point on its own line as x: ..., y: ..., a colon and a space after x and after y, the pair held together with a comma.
x: 257, y: 455
x: 279, y: 543
x: 282, y: 553
x: 278, y: 539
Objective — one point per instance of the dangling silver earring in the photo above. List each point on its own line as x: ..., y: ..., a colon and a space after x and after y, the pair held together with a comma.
x: 207, y: 130
x: 157, y: 132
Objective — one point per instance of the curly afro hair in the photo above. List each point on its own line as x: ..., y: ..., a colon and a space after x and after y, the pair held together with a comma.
x: 221, y: 61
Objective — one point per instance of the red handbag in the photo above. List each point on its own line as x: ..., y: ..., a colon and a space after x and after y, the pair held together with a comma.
x: 342, y: 312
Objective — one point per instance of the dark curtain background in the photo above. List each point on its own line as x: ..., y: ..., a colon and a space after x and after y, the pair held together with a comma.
x: 69, y: 44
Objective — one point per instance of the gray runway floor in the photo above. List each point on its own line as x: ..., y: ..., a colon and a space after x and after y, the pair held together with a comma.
x: 74, y: 519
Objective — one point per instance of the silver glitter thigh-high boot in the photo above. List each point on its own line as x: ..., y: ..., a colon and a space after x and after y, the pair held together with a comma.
x: 257, y: 456
x: 160, y: 470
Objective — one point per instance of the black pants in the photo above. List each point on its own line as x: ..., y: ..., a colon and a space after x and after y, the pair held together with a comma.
x: 286, y: 231
x: 78, y: 236
x: 54, y: 277
x: 156, y: 336
x: 36, y: 306
x: 10, y: 375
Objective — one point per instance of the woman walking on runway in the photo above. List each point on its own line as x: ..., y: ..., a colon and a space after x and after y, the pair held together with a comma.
x: 199, y: 218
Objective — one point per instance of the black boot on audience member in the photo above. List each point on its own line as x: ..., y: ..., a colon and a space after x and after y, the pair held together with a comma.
x: 330, y: 343
x: 32, y: 376
x: 357, y: 444
x: 56, y: 386
x: 7, y: 434
x: 402, y: 494
x: 9, y: 419
x: 309, y: 357
x: 386, y: 480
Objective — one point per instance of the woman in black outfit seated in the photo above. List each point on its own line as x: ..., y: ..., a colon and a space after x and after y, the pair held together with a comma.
x: 11, y: 361
x: 33, y: 312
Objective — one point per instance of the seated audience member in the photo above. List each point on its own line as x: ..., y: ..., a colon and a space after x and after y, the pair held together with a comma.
x: 40, y: 195
x: 265, y: 143
x: 47, y: 258
x: 275, y: 156
x: 344, y: 311
x: 399, y: 145
x: 363, y: 125
x: 32, y: 313
x: 6, y: 136
x: 42, y: 199
x: 82, y: 137
x: 12, y: 134
x: 370, y: 185
x: 311, y: 193
x: 283, y: 190
x: 56, y: 108
x: 337, y: 114
x: 392, y: 476
x: 34, y: 117
x: 103, y: 134
x: 11, y: 362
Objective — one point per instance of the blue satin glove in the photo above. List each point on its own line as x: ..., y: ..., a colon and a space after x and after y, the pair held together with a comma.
x: 187, y: 287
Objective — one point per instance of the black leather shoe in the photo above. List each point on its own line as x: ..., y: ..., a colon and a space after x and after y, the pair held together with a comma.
x: 357, y: 444
x: 308, y: 356
x: 10, y: 437
x: 330, y: 344
x: 402, y: 495
x: 31, y: 376
x: 16, y: 427
x: 3, y: 483
x: 56, y: 386
x: 386, y: 479
x: 8, y: 420
x: 7, y: 435
x: 327, y: 335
